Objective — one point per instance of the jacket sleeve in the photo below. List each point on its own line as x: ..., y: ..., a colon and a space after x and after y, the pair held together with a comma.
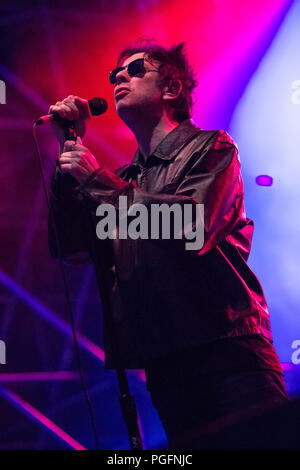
x: 214, y: 180
x: 67, y: 236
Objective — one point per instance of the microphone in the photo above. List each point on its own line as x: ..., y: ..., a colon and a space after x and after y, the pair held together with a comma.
x: 97, y: 106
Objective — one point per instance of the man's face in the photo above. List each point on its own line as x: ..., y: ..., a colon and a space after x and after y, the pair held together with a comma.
x: 140, y: 93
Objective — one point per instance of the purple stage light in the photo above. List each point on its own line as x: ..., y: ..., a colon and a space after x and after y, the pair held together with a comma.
x: 264, y: 180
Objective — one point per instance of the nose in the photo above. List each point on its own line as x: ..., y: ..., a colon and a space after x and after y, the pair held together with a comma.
x: 122, y: 76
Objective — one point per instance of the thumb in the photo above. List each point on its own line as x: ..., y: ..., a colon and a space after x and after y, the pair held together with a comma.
x: 78, y: 140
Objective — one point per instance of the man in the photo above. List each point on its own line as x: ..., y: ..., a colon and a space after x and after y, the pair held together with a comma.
x: 196, y: 320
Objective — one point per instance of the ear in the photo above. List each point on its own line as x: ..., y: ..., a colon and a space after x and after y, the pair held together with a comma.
x: 172, y: 90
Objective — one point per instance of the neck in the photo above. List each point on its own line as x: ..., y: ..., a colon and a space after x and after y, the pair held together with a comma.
x: 150, y: 133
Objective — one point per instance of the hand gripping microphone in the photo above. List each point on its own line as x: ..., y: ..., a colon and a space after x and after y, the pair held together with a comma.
x: 97, y: 106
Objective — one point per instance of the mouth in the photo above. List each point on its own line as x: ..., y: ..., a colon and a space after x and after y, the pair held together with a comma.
x: 121, y: 92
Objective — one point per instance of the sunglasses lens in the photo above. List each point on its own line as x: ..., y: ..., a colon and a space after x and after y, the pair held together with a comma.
x: 134, y: 68
x: 113, y: 75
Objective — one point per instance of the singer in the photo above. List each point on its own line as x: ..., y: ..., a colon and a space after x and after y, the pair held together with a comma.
x: 196, y: 320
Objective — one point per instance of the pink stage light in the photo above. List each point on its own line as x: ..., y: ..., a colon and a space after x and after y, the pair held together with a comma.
x: 28, y: 409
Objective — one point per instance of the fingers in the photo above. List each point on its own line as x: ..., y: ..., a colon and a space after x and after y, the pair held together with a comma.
x: 77, y: 160
x: 65, y: 158
x: 73, y: 111
x: 83, y: 106
x: 71, y: 108
x: 70, y: 145
x: 61, y: 109
x: 65, y: 167
x: 66, y: 162
x: 70, y: 153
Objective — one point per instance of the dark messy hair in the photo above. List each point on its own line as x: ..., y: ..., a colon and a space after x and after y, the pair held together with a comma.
x: 173, y: 66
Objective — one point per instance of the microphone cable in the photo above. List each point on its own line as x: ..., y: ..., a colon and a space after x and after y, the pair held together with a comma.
x: 67, y: 295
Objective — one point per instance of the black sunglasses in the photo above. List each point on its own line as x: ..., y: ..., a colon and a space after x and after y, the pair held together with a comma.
x: 134, y: 68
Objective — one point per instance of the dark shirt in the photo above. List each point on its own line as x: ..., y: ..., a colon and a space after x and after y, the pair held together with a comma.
x: 163, y: 298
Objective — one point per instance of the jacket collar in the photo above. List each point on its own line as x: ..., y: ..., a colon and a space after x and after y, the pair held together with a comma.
x: 171, y: 145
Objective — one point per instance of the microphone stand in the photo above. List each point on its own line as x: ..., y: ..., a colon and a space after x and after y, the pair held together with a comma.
x: 127, y: 401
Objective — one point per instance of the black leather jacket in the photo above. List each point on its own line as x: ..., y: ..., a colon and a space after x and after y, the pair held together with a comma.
x: 166, y: 298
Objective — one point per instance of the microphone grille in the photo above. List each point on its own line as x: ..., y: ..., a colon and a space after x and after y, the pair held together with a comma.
x: 97, y: 106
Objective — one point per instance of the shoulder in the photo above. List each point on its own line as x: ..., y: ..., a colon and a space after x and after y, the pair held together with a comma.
x: 212, y: 137
x: 224, y: 137
x: 216, y: 150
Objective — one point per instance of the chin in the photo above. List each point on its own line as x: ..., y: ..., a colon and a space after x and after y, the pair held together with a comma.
x: 122, y: 110
x: 126, y: 109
